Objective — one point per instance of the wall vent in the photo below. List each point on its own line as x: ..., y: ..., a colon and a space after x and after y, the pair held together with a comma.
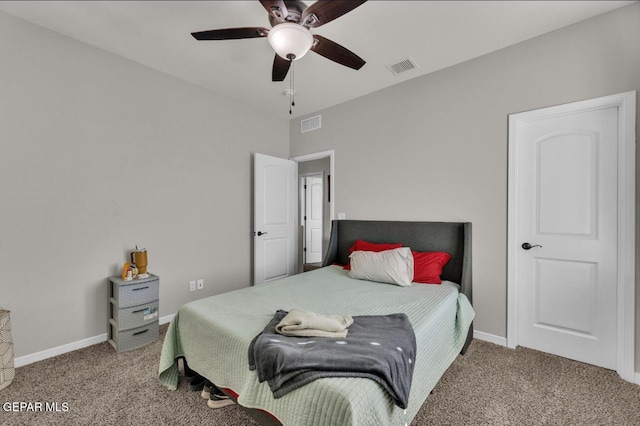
x: 402, y: 66
x: 311, y: 123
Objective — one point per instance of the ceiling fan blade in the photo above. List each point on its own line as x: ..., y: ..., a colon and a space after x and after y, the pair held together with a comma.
x: 337, y: 53
x: 231, y: 33
x: 323, y: 11
x: 280, y: 68
x: 276, y: 8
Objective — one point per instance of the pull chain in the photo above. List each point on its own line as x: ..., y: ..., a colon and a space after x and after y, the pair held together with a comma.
x: 292, y: 101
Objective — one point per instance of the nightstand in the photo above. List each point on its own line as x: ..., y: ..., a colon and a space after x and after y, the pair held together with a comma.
x: 133, y: 312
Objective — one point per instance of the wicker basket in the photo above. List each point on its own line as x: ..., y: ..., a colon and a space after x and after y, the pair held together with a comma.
x: 7, y: 370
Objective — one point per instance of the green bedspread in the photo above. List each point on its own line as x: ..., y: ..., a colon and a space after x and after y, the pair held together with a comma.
x: 214, y: 335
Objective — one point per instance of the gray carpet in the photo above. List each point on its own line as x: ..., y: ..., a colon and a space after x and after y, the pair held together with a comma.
x: 491, y: 385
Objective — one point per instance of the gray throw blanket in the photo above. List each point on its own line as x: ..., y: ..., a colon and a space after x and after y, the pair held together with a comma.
x: 378, y: 347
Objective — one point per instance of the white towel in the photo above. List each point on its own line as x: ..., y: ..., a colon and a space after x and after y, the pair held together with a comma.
x: 301, y: 323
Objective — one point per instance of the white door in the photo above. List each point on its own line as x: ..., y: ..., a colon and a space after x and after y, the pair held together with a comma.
x: 313, y: 219
x: 274, y: 219
x: 567, y: 212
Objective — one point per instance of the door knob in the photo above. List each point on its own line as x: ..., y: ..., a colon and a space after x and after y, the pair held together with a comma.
x: 260, y: 233
x: 528, y: 246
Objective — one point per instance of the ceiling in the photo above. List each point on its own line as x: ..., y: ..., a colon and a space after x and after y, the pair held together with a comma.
x: 436, y: 34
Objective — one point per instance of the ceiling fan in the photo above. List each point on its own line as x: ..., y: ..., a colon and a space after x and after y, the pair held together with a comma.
x: 290, y: 36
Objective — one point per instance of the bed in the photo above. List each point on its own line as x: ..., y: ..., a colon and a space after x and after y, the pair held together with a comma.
x: 214, y: 334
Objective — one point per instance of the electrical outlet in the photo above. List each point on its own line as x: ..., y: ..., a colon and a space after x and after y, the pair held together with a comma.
x: 192, y: 286
x: 200, y: 284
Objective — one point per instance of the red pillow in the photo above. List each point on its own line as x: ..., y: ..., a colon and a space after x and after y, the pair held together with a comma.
x: 427, y: 266
x: 361, y: 245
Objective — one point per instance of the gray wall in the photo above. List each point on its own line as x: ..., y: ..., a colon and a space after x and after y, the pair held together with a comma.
x: 435, y: 147
x: 98, y: 154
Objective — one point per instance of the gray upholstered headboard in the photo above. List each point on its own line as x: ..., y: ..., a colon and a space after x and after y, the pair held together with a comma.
x: 451, y: 237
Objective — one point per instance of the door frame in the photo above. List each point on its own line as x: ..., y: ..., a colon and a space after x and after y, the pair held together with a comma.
x: 626, y: 104
x: 332, y: 173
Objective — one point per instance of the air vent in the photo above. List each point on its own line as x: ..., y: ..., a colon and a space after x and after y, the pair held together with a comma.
x: 402, y: 66
x: 311, y: 123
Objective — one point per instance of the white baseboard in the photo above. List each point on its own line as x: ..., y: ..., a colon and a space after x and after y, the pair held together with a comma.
x: 491, y: 338
x: 59, y: 350
x: 166, y: 319
x: 69, y: 347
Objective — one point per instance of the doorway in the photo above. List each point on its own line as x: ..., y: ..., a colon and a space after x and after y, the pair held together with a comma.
x: 571, y: 228
x: 315, y: 166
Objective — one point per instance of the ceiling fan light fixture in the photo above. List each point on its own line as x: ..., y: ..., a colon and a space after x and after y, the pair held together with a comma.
x: 290, y: 41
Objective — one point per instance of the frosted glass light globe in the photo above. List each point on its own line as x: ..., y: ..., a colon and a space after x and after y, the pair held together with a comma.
x: 290, y: 39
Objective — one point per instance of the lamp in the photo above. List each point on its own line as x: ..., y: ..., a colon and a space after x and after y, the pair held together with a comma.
x: 290, y: 41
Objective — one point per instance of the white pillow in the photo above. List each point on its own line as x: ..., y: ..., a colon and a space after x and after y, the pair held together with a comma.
x: 388, y: 266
